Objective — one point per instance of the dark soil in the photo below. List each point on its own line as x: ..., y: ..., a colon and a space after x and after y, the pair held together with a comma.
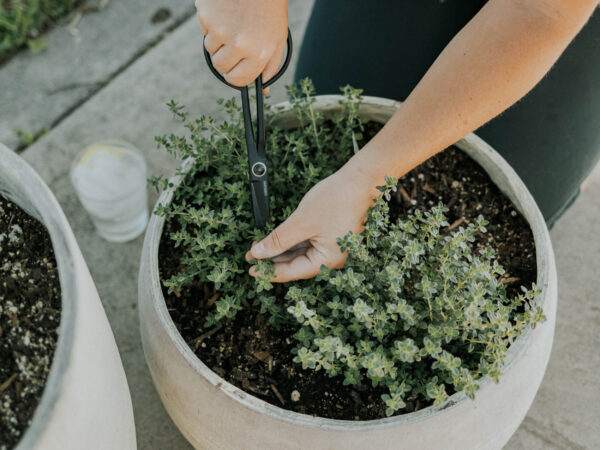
x: 29, y: 317
x: 256, y: 358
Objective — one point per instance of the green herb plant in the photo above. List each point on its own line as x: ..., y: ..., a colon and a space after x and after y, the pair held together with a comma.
x: 415, y: 309
x: 22, y: 21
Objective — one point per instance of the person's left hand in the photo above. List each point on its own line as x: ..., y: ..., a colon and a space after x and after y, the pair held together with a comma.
x: 308, y: 238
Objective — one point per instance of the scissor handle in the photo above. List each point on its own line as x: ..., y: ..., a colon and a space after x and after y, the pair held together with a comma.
x: 286, y: 63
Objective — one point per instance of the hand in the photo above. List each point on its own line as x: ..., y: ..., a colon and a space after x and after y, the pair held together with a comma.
x: 308, y: 238
x: 245, y: 38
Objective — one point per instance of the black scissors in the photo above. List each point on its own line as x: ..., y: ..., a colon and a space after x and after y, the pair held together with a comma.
x: 257, y: 160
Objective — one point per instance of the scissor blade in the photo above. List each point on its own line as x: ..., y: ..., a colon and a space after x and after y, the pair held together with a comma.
x: 260, y: 202
x: 354, y: 144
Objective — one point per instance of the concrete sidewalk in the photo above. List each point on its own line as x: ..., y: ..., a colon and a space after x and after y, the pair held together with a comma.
x: 38, y: 91
x: 132, y: 107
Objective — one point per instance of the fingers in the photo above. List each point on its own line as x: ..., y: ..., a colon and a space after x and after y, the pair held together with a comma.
x: 302, y: 262
x: 294, y: 252
x: 225, y: 59
x: 245, y: 72
x: 201, y: 17
x: 238, y: 66
x: 300, y: 268
x: 280, y: 240
x: 231, y: 62
x: 273, y: 65
x: 239, y: 61
x: 250, y: 30
x: 203, y: 27
x: 212, y: 43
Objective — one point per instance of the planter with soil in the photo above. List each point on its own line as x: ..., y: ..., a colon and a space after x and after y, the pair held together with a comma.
x: 62, y: 383
x: 238, y: 384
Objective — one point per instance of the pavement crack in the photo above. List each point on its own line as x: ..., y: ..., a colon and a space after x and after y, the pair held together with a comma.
x: 77, y: 85
x: 95, y: 87
x: 549, y: 435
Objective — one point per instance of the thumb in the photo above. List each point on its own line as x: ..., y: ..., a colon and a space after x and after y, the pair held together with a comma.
x: 280, y: 240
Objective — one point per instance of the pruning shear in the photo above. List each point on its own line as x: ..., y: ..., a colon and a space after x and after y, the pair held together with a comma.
x: 257, y: 161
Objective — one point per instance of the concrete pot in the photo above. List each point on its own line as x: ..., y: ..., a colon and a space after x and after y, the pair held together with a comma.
x: 214, y: 414
x: 86, y: 402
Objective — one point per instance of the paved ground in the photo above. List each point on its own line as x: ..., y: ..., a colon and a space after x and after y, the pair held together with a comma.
x: 131, y: 107
x: 38, y: 91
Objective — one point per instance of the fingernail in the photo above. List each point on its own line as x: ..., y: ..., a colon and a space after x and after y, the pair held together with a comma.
x: 259, y: 250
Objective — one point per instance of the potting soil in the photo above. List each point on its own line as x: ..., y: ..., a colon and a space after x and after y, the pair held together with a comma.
x: 30, y: 308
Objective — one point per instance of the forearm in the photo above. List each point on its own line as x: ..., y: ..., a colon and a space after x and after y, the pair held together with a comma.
x: 495, y: 60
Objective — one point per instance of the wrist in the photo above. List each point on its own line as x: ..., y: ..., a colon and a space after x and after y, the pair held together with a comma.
x: 376, y: 161
x: 363, y: 174
x: 395, y: 150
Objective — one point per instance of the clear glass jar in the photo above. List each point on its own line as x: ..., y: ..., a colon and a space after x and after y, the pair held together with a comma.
x: 110, y: 180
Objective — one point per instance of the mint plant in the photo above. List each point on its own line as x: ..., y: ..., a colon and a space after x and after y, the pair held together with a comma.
x: 415, y: 309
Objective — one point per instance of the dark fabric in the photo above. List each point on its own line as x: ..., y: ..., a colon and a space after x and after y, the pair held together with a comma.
x: 551, y: 137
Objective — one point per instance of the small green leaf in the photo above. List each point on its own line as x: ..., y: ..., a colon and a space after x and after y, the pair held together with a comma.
x: 37, y: 45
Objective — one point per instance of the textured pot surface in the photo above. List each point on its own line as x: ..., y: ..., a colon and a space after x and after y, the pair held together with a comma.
x: 214, y: 414
x: 86, y: 402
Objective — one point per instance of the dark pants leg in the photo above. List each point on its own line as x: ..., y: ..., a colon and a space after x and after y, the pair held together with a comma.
x: 551, y: 137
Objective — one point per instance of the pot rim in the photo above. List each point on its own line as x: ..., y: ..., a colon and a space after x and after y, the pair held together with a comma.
x: 20, y: 176
x: 524, y: 202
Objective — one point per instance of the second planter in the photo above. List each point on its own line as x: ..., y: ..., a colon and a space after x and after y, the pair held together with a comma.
x: 86, y: 402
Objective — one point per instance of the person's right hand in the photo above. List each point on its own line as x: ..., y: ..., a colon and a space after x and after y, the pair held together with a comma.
x: 308, y: 238
x: 245, y: 38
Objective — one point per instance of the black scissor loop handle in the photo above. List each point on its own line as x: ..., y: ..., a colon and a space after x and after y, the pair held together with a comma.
x: 257, y: 162
x: 286, y: 63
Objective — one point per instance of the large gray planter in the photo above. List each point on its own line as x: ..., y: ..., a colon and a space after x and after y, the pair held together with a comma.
x: 214, y: 414
x: 86, y: 402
